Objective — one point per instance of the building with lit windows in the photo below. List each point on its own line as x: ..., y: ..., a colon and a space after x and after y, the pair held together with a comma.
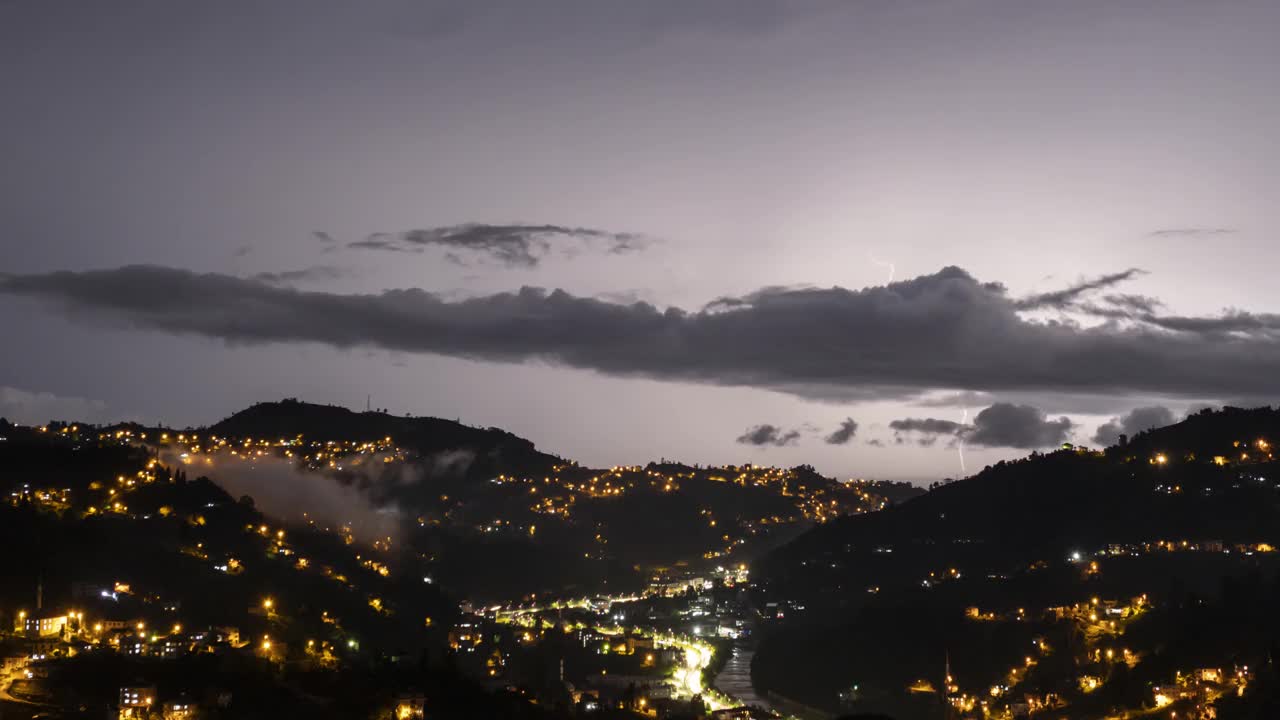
x: 180, y: 710
x: 42, y: 625
x: 136, y: 701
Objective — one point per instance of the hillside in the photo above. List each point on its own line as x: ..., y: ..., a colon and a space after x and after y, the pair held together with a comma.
x: 977, y: 569
x: 1162, y: 484
x: 340, y: 545
x: 463, y: 498
x: 495, y: 450
x: 170, y: 576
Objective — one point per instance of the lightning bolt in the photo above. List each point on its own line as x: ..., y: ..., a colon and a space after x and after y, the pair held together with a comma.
x: 882, y: 263
x: 960, y: 443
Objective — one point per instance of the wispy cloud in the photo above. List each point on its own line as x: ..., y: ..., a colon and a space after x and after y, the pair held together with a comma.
x: 517, y: 246
x: 1059, y: 299
x: 1193, y: 232
x: 315, y: 272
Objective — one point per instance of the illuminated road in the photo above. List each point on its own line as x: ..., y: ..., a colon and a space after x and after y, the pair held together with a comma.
x: 732, y: 686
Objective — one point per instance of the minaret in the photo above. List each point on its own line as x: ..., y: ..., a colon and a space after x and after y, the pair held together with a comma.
x: 946, y: 685
x: 39, y: 593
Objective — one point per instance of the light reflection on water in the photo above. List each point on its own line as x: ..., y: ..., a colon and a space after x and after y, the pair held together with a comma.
x: 735, y: 679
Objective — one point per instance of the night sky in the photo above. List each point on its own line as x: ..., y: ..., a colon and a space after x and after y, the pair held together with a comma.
x: 860, y: 235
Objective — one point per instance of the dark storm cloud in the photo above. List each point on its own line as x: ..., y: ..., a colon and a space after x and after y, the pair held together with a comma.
x: 1059, y: 299
x: 945, y: 330
x: 243, y: 250
x: 1017, y: 426
x: 926, y: 426
x: 316, y: 272
x: 1000, y: 425
x: 522, y: 246
x: 1193, y: 232
x: 1137, y: 420
x: 924, y: 431
x: 766, y: 435
x: 843, y: 434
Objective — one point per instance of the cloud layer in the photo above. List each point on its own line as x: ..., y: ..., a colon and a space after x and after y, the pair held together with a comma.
x: 945, y: 330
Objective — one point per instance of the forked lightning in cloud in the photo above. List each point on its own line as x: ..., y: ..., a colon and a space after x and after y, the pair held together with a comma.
x: 964, y: 420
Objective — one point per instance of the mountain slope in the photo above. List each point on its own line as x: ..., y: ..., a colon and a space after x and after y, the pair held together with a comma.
x: 1206, y: 478
x: 979, y: 570
x: 496, y: 450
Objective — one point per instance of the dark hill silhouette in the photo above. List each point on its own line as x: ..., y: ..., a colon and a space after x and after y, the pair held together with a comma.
x: 1179, y: 512
x: 1206, y: 433
x: 496, y: 450
x: 1048, y: 504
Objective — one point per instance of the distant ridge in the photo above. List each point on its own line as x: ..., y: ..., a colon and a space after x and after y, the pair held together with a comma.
x: 1162, y: 483
x: 496, y: 450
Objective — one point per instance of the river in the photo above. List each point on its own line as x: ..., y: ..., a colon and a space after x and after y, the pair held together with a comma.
x: 735, y: 679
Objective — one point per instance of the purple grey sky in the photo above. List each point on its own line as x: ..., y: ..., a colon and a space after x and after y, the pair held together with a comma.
x: 674, y: 153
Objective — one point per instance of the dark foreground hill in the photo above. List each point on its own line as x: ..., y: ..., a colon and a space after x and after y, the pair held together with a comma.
x: 1209, y: 478
x: 491, y: 516
x: 979, y: 570
x: 168, y: 541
